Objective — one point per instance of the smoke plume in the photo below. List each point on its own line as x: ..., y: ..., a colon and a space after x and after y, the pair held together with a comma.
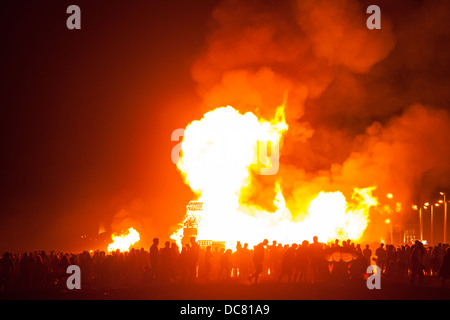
x: 364, y: 107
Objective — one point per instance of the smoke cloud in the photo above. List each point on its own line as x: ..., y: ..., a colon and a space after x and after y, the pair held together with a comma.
x: 364, y: 107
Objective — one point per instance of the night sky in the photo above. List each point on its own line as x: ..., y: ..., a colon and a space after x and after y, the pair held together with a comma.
x: 86, y: 115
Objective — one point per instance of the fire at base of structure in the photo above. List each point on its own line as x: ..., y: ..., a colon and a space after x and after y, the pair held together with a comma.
x: 191, y: 220
x: 190, y: 225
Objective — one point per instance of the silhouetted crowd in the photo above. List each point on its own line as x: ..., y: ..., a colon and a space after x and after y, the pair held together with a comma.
x: 167, y: 264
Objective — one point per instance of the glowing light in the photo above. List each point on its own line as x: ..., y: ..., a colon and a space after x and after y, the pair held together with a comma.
x: 125, y: 241
x: 221, y: 154
x: 389, y: 196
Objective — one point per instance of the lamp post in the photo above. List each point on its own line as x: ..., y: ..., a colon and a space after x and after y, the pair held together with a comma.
x: 431, y: 218
x: 389, y: 222
x: 431, y: 225
x: 425, y: 206
x: 419, y: 208
x: 445, y: 217
x: 420, y: 224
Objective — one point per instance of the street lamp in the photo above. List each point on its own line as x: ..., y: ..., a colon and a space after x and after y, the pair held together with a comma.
x: 425, y: 206
x: 388, y: 221
x: 445, y: 217
x: 432, y: 223
x: 419, y: 208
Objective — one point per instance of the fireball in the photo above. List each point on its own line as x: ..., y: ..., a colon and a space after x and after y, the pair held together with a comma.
x: 222, y: 151
x: 125, y: 241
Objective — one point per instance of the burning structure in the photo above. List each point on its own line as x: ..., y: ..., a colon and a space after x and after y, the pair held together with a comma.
x: 190, y: 227
x: 191, y: 220
x: 221, y: 181
x: 307, y: 78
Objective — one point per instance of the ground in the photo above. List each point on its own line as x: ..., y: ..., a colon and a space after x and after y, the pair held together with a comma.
x: 391, y: 289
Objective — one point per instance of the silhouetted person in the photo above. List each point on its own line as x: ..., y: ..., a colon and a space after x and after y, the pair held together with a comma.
x: 444, y: 271
x: 194, y: 255
x: 273, y: 258
x: 184, y: 262
x: 25, y: 271
x: 85, y: 266
x: 381, y: 257
x: 340, y: 271
x: 367, y: 253
x: 216, y: 254
x: 166, y: 263
x: 154, y: 258
x: 390, y: 259
x: 288, y: 263
x: 236, y: 260
x: 6, y: 271
x: 417, y: 263
x: 316, y: 254
x: 208, y: 262
x: 258, y: 258
x: 246, y: 262
x: 301, y: 261
x: 403, y: 262
x: 38, y: 271
x: 336, y: 243
x: 358, y: 266
x: 175, y: 253
x: 436, y: 258
x: 427, y: 261
x: 225, y: 264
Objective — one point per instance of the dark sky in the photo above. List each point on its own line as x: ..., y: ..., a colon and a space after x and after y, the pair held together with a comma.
x: 86, y: 115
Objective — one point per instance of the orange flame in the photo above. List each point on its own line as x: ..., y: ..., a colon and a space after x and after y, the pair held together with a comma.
x: 221, y: 152
x: 125, y: 241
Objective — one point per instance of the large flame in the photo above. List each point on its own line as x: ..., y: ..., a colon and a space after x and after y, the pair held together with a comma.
x: 123, y: 242
x: 221, y: 152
